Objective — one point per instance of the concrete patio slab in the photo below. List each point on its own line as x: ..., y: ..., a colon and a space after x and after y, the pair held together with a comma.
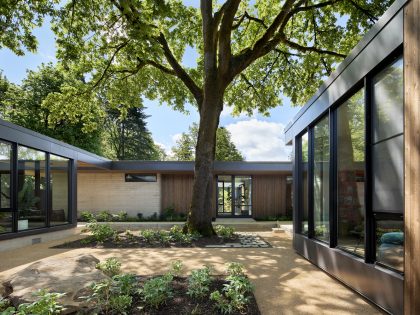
x: 285, y: 283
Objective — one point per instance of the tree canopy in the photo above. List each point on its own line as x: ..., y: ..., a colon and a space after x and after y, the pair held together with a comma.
x: 250, y: 53
x: 184, y: 150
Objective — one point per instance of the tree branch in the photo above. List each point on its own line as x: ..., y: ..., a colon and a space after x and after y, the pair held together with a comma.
x: 178, y: 70
x: 224, y: 38
x: 251, y: 18
x: 312, y: 49
x: 371, y: 17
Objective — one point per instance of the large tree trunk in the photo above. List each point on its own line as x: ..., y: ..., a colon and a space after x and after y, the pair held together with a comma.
x: 200, y: 216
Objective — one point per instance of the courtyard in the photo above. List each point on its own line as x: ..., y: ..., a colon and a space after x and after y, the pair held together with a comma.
x: 285, y: 283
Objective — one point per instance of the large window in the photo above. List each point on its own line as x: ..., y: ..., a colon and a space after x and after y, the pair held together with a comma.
x: 388, y: 165
x: 321, y: 160
x: 351, y: 174
x: 59, y: 173
x: 5, y: 187
x: 303, y: 201
x: 31, y: 198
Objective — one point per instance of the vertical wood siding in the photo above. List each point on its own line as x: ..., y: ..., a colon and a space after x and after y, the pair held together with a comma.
x: 177, y: 192
x: 412, y: 156
x: 269, y: 197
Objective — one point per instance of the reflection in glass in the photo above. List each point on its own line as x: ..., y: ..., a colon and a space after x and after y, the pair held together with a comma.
x: 351, y: 174
x: 59, y: 170
x: 390, y: 240
x: 388, y: 165
x: 6, y: 222
x: 224, y: 198
x: 321, y: 179
x: 388, y: 93
x: 32, y: 201
x: 5, y: 173
x: 303, y: 203
x: 243, y: 202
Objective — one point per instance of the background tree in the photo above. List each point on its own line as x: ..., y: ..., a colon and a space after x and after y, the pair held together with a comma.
x: 22, y: 105
x: 249, y: 54
x: 128, y: 135
x: 184, y: 150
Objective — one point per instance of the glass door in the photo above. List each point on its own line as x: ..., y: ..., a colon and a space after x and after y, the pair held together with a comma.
x: 234, y: 196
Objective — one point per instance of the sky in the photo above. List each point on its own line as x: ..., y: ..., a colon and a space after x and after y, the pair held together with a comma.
x: 259, y: 138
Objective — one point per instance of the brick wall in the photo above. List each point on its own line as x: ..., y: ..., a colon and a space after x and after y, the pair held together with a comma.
x: 109, y: 191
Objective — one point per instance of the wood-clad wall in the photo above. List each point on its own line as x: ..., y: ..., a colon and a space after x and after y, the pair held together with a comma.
x: 412, y: 156
x: 269, y: 197
x: 177, y: 192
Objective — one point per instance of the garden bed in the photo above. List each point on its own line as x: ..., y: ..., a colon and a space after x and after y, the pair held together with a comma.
x: 182, y: 303
x: 104, y: 236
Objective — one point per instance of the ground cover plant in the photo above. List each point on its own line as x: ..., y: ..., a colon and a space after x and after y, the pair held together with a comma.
x: 104, y: 236
x: 168, y: 215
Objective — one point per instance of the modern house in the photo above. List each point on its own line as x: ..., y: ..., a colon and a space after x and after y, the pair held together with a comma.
x: 357, y: 166
x: 45, y: 182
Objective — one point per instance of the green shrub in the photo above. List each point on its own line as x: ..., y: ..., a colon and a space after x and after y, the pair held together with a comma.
x: 225, y: 232
x: 127, y: 283
x: 129, y: 235
x: 113, y: 296
x: 104, y: 216
x: 6, y: 308
x: 235, y: 294
x: 176, y: 268
x: 148, y: 235
x: 46, y: 304
x: 122, y: 216
x: 100, y: 232
x: 87, y: 216
x: 110, y: 267
x: 157, y: 290
x: 120, y: 303
x: 177, y: 235
x: 199, y: 283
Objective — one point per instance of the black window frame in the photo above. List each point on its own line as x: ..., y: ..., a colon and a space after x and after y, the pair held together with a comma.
x: 136, y: 177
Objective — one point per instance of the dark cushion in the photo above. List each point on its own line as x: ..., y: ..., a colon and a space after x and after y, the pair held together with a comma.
x: 396, y: 238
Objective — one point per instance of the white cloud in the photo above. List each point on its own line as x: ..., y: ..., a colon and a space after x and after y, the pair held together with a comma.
x: 228, y: 110
x: 260, y: 140
x: 176, y: 137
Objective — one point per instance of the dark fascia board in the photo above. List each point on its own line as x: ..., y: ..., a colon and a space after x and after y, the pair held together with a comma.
x: 188, y: 167
x: 381, y: 40
x: 23, y: 136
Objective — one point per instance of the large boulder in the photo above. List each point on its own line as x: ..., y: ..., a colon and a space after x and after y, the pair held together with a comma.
x: 70, y: 275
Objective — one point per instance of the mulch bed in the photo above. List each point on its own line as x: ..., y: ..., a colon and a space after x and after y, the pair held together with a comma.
x: 182, y: 303
x: 137, y: 241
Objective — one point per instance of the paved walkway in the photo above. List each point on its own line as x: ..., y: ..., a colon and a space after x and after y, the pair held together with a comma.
x: 285, y: 283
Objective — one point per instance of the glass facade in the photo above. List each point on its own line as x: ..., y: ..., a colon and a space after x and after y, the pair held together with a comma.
x: 31, y: 197
x: 59, y: 183
x: 321, y: 180
x: 304, y: 180
x: 234, y: 195
x: 351, y: 172
x: 388, y: 165
x: 34, y: 189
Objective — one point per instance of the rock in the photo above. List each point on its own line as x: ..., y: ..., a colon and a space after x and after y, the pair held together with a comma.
x: 70, y: 275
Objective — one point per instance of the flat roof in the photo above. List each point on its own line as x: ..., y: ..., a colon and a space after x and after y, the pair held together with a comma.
x: 219, y: 166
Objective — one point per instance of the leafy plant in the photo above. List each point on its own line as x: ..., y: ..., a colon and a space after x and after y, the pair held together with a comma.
x: 148, y: 235
x: 87, y: 216
x: 199, y: 283
x: 46, y: 304
x: 6, y: 308
x: 104, y: 216
x: 113, y: 296
x: 235, y: 293
x: 122, y: 216
x: 100, y: 232
x: 225, y: 232
x: 157, y: 290
x: 129, y: 235
x: 110, y: 267
x: 176, y: 268
x: 177, y: 235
